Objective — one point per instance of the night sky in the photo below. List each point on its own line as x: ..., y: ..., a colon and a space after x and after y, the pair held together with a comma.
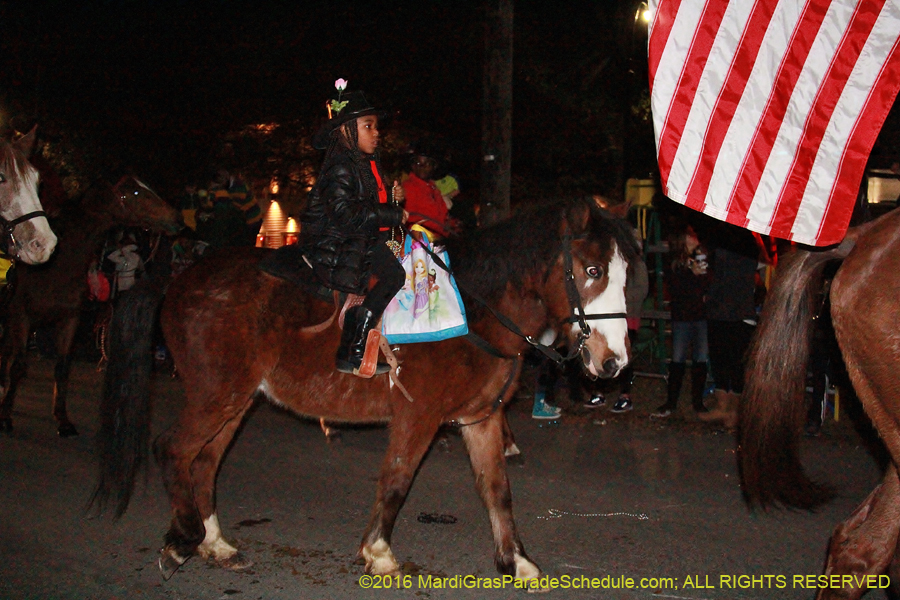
x: 216, y: 63
x: 166, y: 77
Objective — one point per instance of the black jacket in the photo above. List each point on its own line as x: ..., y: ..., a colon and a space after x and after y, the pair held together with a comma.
x: 340, y: 226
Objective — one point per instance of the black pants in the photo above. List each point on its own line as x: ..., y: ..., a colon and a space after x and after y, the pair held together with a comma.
x: 728, y: 345
x: 390, y: 279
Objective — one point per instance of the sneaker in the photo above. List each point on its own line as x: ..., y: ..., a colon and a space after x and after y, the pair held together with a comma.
x: 662, y: 412
x: 597, y: 400
x: 542, y: 410
x: 623, y: 404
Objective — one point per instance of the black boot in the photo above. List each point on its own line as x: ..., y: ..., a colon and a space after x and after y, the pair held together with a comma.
x: 698, y: 386
x: 358, y: 321
x: 673, y: 390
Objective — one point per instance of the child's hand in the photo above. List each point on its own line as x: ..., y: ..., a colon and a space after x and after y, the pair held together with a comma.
x: 398, y: 194
x: 405, y: 217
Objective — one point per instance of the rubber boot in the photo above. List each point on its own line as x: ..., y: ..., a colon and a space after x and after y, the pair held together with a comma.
x: 673, y: 390
x: 698, y: 386
x: 358, y: 321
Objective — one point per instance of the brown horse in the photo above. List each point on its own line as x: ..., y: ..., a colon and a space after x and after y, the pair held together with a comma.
x: 238, y: 335
x: 865, y: 313
x: 54, y: 293
x: 23, y: 223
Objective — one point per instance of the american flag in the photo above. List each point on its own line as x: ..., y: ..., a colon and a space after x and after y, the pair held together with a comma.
x: 766, y: 111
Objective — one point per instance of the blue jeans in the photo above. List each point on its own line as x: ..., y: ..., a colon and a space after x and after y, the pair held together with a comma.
x: 689, y: 335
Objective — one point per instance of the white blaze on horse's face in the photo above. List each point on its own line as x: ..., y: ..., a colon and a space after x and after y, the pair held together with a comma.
x: 34, y: 241
x: 608, y: 343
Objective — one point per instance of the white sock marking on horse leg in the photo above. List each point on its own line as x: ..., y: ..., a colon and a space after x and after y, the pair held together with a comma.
x: 511, y: 450
x: 525, y: 569
x: 379, y: 559
x: 214, y: 545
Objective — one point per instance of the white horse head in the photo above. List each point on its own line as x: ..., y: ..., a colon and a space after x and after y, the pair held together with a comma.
x: 24, y: 223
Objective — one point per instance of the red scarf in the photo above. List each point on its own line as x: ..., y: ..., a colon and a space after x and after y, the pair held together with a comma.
x: 382, y: 193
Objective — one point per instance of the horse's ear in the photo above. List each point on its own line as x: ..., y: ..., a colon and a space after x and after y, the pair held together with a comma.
x: 578, y: 217
x: 620, y: 210
x: 25, y: 144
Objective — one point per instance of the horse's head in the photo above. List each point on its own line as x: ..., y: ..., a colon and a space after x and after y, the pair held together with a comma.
x: 596, y: 250
x: 24, y: 228
x: 137, y: 205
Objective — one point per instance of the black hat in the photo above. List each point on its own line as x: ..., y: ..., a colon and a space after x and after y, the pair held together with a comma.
x: 345, y: 107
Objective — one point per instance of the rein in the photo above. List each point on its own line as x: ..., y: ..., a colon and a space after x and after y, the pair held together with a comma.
x: 575, y: 305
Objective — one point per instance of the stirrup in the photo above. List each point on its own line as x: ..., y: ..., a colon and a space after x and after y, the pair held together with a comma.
x: 369, y: 366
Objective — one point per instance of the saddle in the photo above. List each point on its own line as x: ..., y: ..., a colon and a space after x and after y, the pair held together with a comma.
x: 289, y: 263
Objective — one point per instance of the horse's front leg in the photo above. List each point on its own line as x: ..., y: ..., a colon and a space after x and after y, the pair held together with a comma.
x: 65, y: 337
x: 484, y: 442
x: 13, y: 368
x: 864, y: 544
x: 410, y: 436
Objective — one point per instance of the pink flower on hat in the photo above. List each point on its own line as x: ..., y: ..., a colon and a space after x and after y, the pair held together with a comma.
x: 341, y: 84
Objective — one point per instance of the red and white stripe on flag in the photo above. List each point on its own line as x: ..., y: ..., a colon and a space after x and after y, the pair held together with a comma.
x: 766, y: 111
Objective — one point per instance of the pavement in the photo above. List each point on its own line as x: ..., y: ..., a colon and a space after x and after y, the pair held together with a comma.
x: 640, y: 508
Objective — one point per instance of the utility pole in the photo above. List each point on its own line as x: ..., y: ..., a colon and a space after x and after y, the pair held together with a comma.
x: 497, y: 112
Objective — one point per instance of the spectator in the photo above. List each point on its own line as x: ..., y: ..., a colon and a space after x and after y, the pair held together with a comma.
x: 219, y: 223
x: 128, y: 262
x: 688, y: 282
x: 241, y: 198
x: 731, y: 317
x: 424, y: 201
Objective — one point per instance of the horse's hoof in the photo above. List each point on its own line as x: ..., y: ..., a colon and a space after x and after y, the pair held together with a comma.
x: 66, y: 430
x: 235, y: 562
x: 169, y: 562
x: 379, y: 559
x: 443, y: 444
x: 517, y: 460
x: 6, y: 424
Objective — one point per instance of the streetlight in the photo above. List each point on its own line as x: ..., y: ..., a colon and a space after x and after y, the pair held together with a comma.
x: 643, y: 14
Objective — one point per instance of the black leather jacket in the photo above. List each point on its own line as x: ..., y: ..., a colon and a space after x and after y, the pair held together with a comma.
x: 340, y: 226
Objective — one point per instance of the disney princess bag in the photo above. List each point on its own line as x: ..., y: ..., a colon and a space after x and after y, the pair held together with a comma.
x: 428, y: 308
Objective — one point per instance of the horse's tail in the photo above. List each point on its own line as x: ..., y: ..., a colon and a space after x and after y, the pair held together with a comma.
x: 125, y: 415
x: 772, y: 407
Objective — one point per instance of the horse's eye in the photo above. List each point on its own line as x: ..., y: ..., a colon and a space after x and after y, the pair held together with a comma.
x: 594, y: 272
x: 2, y: 178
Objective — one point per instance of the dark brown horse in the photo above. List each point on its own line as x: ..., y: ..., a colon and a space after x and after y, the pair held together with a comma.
x: 238, y: 335
x: 24, y: 231
x: 54, y: 293
x: 865, y: 313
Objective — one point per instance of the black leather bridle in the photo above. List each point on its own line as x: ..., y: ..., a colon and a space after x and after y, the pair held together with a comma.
x: 7, y: 227
x: 576, y: 308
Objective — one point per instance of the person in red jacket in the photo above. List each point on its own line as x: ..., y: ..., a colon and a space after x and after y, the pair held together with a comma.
x: 424, y: 201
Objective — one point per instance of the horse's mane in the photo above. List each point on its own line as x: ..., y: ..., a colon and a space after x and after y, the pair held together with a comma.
x: 13, y: 161
x: 488, y: 259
